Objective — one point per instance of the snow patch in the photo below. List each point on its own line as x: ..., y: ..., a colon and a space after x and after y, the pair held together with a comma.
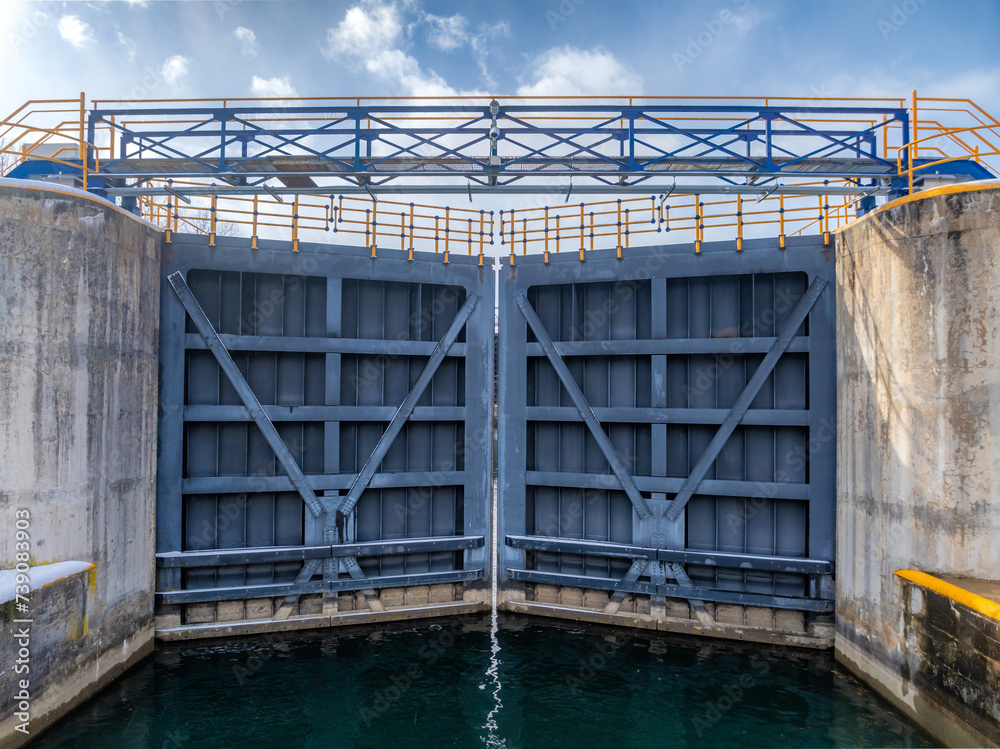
x: 39, y: 576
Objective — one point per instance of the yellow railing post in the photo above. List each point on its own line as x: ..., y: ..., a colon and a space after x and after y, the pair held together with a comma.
x: 915, y: 130
x: 626, y: 233
x: 739, y: 223
x: 546, y: 234
x: 826, y: 219
x: 447, y: 232
x: 698, y: 225
x: 253, y: 231
x: 368, y: 234
x: 402, y: 232
x: 582, y: 240
x: 167, y: 236
x: 781, y: 221
x: 482, y: 236
x: 211, y: 221
x: 295, y: 224
x: 83, y: 143
x: 410, y: 256
x: 374, y: 226
x: 619, y: 227
x: 557, y: 234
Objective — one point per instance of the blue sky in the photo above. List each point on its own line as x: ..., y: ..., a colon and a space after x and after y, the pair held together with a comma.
x: 412, y: 47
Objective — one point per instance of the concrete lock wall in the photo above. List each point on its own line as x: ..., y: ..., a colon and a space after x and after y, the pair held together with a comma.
x: 79, y: 290
x: 918, y: 339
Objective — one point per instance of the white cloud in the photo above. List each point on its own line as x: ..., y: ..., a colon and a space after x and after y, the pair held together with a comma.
x: 174, y: 69
x: 447, y: 33
x: 129, y: 45
x: 75, y: 31
x: 366, y: 38
x: 365, y: 30
x: 483, y: 48
x: 568, y: 71
x: 396, y: 66
x: 248, y: 40
x: 274, y: 88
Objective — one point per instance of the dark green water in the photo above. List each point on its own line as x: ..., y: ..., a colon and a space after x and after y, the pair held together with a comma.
x: 428, y: 686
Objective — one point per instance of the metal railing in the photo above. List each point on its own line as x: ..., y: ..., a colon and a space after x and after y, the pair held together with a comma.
x: 371, y: 224
x: 620, y: 223
x: 941, y: 130
x: 907, y: 167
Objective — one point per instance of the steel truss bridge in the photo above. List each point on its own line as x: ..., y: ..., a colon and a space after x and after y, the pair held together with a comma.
x: 559, y: 146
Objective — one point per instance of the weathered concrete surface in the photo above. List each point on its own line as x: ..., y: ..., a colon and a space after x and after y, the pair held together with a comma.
x: 952, y: 656
x: 79, y: 291
x: 46, y: 673
x: 918, y: 478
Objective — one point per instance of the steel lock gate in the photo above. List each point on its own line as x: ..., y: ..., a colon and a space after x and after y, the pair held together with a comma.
x: 667, y: 438
x: 325, y: 441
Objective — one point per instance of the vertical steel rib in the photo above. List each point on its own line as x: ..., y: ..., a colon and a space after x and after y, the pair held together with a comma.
x: 239, y: 383
x: 586, y: 412
x: 363, y: 478
x: 753, y: 387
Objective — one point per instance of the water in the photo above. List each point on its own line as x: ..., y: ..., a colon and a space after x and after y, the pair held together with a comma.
x: 465, y: 683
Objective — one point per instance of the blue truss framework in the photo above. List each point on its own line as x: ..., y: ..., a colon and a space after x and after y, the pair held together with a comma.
x: 495, y: 146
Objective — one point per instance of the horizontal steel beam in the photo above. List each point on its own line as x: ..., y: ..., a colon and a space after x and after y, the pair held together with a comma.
x: 323, y: 413
x: 317, y: 586
x: 665, y: 484
x: 673, y: 591
x: 323, y: 482
x: 508, y: 106
x: 628, y: 415
x: 556, y: 190
x: 798, y: 565
x: 228, y: 557
x: 322, y: 345
x: 668, y: 346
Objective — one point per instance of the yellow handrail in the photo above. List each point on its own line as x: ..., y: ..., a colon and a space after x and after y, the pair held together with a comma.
x: 912, y: 149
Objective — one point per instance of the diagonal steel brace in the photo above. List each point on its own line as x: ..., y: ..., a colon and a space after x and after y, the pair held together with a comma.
x: 312, y: 566
x: 364, y: 478
x: 624, y: 586
x: 753, y: 387
x: 586, y: 412
x: 239, y: 383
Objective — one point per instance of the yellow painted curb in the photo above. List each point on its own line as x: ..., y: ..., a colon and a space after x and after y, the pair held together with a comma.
x: 984, y: 606
x: 934, y: 192
x: 76, y: 193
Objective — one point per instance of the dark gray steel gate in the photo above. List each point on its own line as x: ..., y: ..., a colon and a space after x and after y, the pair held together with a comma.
x: 666, y: 444
x: 325, y: 434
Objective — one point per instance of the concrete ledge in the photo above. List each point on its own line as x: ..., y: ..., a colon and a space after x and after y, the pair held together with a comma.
x: 344, y: 619
x: 932, y: 717
x: 88, y: 680
x: 681, y: 626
